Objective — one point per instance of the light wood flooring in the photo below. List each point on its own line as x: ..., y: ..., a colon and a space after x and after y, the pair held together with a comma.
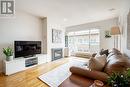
x: 29, y: 78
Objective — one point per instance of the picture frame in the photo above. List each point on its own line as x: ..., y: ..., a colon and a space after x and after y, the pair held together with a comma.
x: 56, y: 36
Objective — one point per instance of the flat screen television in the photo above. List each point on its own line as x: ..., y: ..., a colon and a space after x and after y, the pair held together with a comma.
x: 27, y: 48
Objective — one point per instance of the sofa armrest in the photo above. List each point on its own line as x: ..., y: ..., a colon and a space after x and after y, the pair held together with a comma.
x: 95, y: 75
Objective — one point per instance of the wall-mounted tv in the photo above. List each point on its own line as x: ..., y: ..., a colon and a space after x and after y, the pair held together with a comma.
x: 27, y: 48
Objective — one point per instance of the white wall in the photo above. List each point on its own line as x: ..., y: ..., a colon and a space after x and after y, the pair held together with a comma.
x: 51, y: 25
x: 22, y: 27
x: 44, y: 24
x: 123, y: 26
x: 106, y: 43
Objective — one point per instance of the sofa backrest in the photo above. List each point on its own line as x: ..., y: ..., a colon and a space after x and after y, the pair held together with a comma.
x: 116, y: 62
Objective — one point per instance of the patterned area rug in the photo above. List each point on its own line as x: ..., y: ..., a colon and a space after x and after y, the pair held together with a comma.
x: 56, y: 76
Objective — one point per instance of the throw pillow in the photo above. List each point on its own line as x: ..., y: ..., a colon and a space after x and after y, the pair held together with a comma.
x: 102, y: 52
x: 97, y: 63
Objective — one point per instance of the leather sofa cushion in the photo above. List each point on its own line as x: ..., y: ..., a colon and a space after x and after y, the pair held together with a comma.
x: 95, y: 75
x: 116, y: 63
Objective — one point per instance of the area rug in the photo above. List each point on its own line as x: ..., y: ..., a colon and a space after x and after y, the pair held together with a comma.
x: 56, y: 76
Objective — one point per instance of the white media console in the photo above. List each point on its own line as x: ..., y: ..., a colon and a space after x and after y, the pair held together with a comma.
x: 20, y: 64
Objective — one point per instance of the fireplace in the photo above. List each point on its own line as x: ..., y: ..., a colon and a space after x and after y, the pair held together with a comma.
x: 56, y: 53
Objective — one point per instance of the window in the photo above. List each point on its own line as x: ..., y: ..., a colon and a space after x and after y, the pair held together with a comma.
x: 84, y: 41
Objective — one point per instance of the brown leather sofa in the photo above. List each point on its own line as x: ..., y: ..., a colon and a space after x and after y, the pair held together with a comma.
x: 80, y: 77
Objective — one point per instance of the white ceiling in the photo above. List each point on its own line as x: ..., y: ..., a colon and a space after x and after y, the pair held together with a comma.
x: 72, y: 12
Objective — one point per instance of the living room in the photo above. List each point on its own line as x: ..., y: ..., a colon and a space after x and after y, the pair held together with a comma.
x: 45, y: 43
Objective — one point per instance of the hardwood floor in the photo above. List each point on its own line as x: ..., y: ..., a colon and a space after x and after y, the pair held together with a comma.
x: 29, y: 78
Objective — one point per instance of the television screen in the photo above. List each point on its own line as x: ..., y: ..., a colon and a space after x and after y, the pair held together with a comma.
x: 27, y: 48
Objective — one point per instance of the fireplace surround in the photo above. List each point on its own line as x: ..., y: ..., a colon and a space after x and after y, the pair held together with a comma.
x: 56, y: 53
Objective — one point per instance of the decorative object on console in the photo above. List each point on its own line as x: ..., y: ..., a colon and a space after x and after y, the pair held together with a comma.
x: 9, y: 53
x: 120, y: 79
x: 56, y: 36
x: 115, y: 31
x: 107, y: 34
